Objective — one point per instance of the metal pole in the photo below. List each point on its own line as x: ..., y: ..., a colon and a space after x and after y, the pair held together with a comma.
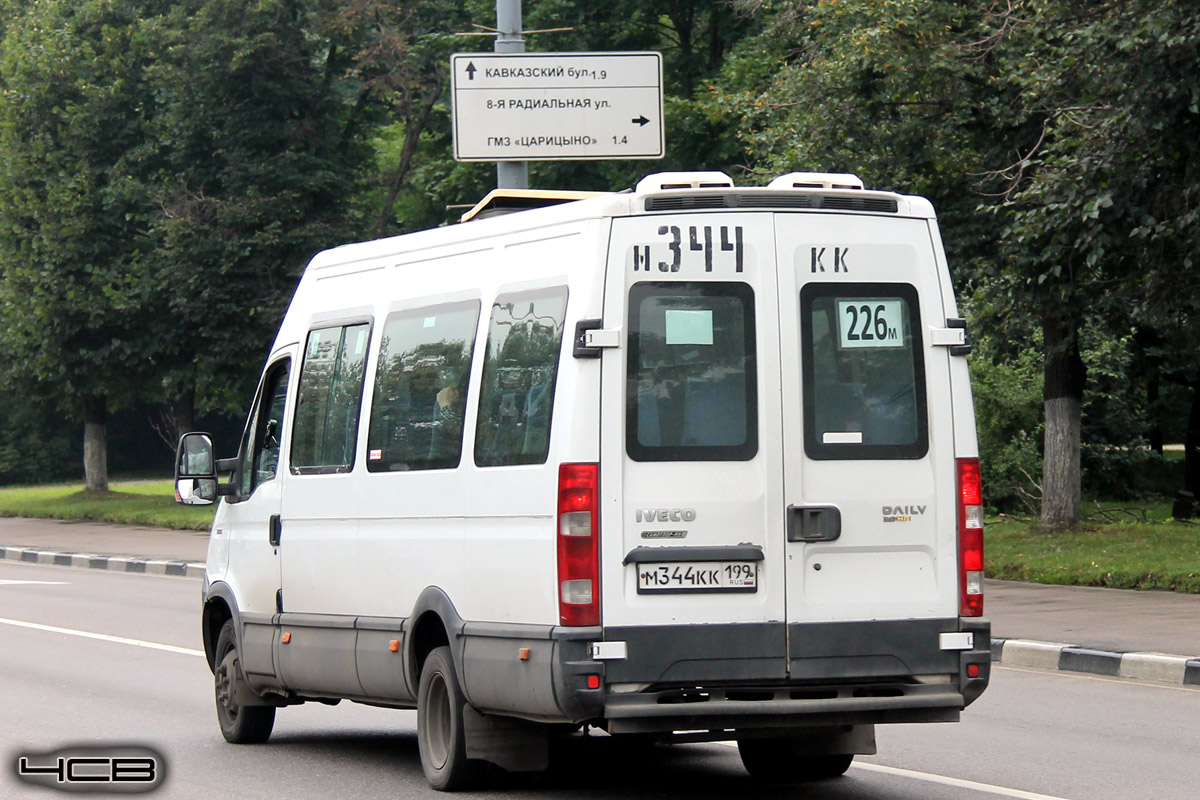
x: 510, y: 174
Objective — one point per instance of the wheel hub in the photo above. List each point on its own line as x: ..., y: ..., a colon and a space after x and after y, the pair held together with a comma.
x: 438, y: 722
x: 224, y: 684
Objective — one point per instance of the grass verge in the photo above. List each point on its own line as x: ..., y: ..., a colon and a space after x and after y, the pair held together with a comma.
x: 150, y: 503
x: 1151, y: 554
x: 1156, y: 554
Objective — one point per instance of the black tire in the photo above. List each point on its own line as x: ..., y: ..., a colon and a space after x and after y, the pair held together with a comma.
x: 239, y: 724
x: 440, y: 734
x: 781, y: 761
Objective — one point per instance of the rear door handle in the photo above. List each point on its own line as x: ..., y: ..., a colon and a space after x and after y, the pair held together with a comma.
x: 276, y: 530
x: 813, y: 523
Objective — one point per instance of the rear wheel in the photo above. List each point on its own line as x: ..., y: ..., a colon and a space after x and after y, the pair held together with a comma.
x: 783, y: 761
x: 440, y: 733
x: 240, y: 724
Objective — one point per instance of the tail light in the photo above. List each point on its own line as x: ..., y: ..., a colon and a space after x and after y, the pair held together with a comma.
x: 578, y: 545
x: 970, y: 538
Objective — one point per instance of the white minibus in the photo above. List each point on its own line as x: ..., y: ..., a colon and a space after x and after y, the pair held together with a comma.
x: 695, y: 462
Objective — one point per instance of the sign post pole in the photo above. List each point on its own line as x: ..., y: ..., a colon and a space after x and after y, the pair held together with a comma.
x: 510, y: 39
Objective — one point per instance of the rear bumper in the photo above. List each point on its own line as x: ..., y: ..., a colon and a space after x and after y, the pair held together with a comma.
x: 785, y: 706
x: 772, y: 675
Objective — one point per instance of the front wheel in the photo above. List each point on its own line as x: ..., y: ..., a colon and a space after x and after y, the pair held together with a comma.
x: 440, y: 734
x: 240, y: 724
x: 783, y: 761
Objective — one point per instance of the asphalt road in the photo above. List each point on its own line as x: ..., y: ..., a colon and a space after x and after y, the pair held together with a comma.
x: 144, y: 682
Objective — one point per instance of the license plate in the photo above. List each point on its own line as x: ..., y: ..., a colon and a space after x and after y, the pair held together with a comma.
x: 704, y: 576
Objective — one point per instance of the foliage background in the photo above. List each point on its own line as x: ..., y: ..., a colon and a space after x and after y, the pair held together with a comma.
x: 169, y: 166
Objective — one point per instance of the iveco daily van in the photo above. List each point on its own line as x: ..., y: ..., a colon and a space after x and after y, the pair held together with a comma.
x: 694, y: 462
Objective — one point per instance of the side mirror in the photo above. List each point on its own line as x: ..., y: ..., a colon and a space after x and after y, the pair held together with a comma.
x: 195, y: 471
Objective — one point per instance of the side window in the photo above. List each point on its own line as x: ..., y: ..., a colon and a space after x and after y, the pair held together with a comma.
x: 329, y: 398
x: 692, y: 384
x: 516, y: 394
x: 864, y: 373
x: 421, y: 388
x: 260, y: 442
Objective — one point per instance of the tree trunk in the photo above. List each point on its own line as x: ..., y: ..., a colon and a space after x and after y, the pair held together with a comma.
x: 1191, y: 445
x: 185, y: 412
x: 683, y: 20
x: 95, y: 442
x: 1065, y: 378
x: 414, y: 126
x: 1147, y: 341
x: 1152, y: 395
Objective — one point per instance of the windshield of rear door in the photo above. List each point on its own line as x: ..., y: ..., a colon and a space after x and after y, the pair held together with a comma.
x: 691, y: 385
x: 863, y: 372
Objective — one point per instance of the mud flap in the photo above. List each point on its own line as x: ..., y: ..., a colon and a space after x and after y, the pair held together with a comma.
x: 516, y: 745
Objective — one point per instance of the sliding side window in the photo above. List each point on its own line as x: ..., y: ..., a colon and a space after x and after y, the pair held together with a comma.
x: 331, y: 384
x: 421, y: 388
x: 516, y: 394
x: 692, y: 384
x: 864, y: 372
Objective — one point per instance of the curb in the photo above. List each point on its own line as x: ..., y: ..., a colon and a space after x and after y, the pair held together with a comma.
x: 147, y: 566
x: 1160, y: 667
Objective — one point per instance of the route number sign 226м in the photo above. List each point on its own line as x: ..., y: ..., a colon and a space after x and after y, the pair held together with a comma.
x: 871, y: 323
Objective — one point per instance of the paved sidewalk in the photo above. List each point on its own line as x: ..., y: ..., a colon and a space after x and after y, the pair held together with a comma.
x: 127, y: 548
x: 1142, y: 635
x: 1147, y: 635
x: 1103, y: 619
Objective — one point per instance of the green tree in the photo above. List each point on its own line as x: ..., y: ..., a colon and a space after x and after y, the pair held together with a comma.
x: 398, y: 60
x: 168, y: 169
x: 74, y: 266
x: 1101, y: 204
x: 258, y: 150
x: 883, y: 90
x: 1075, y: 123
x: 36, y: 442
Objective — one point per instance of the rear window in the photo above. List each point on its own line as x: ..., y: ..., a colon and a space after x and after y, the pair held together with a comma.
x: 691, y: 387
x: 864, y: 377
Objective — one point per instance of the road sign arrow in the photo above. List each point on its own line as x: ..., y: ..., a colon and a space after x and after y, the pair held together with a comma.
x: 589, y: 101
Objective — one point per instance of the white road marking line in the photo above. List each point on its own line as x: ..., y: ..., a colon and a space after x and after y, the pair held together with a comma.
x: 957, y: 783
x: 104, y: 637
x: 27, y: 583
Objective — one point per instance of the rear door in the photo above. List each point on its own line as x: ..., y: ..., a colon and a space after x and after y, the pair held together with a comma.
x: 868, y: 469
x: 691, y: 456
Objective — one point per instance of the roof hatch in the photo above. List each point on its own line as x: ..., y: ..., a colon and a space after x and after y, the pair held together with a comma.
x: 816, y: 180
x: 661, y: 181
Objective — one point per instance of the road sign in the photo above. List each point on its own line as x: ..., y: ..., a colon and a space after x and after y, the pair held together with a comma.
x: 556, y: 106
